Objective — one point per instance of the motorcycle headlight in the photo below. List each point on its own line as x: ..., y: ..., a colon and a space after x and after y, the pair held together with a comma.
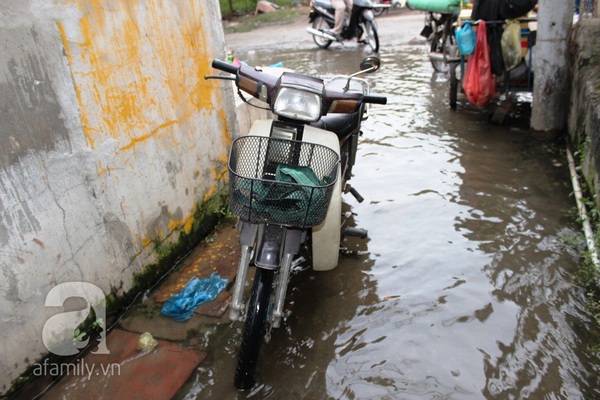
x: 298, y: 104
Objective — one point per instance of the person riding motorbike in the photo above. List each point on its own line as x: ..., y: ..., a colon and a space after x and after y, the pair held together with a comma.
x: 360, y: 25
x: 341, y: 8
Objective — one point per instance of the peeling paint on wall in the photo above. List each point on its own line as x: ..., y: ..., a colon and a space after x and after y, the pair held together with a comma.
x: 138, y: 68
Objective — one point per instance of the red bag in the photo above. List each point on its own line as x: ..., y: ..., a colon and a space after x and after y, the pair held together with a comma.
x: 478, y: 82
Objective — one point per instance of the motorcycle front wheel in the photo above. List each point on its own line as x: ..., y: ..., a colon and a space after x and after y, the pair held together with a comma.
x: 440, y: 45
x: 321, y: 24
x: 443, y: 42
x: 254, y: 329
x: 371, y: 36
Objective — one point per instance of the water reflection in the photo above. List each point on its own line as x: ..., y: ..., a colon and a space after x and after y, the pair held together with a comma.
x: 464, y: 289
x: 320, y: 327
x: 514, y: 214
x: 466, y: 229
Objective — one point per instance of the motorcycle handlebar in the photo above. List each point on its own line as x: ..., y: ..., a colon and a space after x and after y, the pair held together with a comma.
x: 375, y: 99
x: 223, y: 66
x: 257, y: 84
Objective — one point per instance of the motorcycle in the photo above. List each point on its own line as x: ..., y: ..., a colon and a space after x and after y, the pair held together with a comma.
x: 286, y: 179
x: 439, y: 31
x: 381, y: 6
x: 360, y: 26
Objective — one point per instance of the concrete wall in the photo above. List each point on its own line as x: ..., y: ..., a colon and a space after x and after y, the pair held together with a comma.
x: 111, y: 140
x: 584, y: 108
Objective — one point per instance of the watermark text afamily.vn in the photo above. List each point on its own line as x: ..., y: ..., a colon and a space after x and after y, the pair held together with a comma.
x: 79, y: 368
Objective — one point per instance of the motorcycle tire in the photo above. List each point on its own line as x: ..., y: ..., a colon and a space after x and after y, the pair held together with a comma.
x: 254, y: 329
x: 442, y: 40
x: 371, y: 35
x: 440, y: 44
x: 321, y: 24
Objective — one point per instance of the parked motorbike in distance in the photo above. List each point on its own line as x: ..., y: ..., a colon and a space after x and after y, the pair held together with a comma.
x: 381, y: 6
x: 286, y: 179
x: 439, y: 31
x: 360, y: 26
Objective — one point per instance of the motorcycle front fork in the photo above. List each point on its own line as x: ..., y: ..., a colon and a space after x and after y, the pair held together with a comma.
x: 270, y: 247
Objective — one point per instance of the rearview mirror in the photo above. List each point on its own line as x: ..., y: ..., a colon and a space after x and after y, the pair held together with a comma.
x: 370, y: 64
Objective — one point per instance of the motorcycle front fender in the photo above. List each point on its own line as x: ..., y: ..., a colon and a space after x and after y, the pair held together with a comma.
x: 270, y: 246
x: 328, y: 17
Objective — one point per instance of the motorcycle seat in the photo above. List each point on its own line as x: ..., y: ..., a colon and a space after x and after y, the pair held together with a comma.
x: 340, y: 124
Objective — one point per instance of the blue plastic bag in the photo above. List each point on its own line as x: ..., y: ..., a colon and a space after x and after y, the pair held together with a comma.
x: 181, y: 306
x: 465, y: 38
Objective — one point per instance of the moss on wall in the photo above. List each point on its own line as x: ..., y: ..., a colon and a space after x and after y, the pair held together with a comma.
x: 206, y: 218
x: 584, y: 137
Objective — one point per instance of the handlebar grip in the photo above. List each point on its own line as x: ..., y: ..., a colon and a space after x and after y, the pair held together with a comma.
x: 375, y: 99
x: 223, y: 66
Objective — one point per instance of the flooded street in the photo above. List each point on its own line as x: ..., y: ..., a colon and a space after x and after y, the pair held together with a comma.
x: 464, y: 288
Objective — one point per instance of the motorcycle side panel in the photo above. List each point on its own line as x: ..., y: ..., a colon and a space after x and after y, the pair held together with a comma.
x: 261, y: 127
x: 326, y: 237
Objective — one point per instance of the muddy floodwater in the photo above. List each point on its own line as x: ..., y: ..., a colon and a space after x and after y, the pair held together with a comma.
x: 464, y: 288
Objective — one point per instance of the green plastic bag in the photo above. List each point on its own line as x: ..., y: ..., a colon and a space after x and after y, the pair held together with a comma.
x: 511, y: 44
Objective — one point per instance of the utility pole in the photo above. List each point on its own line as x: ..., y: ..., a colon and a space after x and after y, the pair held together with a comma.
x: 550, y: 67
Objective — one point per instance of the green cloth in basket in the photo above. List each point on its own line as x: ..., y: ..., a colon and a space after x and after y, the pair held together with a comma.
x: 286, y: 203
x: 302, y: 175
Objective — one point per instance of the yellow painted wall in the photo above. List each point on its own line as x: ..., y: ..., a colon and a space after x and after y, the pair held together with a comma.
x: 138, y: 68
x: 115, y: 141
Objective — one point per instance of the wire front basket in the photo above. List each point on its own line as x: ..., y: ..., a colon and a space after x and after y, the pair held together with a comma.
x: 282, y: 182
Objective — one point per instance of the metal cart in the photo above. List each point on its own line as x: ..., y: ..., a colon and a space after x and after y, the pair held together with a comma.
x: 442, y: 17
x: 519, y: 78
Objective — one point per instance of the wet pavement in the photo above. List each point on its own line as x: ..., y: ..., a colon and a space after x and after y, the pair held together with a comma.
x: 464, y: 289
x: 129, y: 372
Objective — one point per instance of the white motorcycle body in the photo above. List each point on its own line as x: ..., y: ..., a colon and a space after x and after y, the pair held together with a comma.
x: 326, y: 236
x: 275, y: 190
